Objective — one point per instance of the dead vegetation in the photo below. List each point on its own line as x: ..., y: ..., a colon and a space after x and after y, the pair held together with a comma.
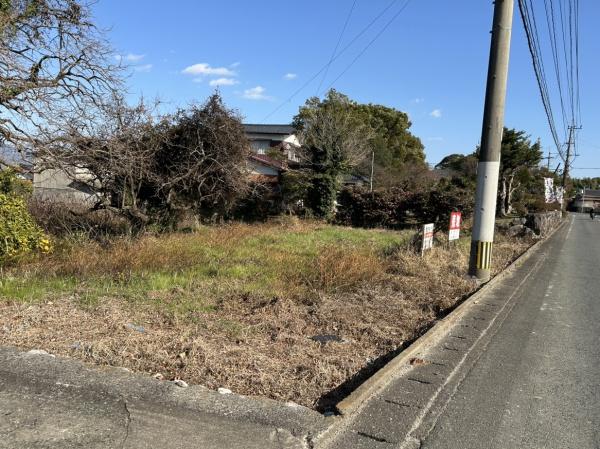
x: 239, y: 306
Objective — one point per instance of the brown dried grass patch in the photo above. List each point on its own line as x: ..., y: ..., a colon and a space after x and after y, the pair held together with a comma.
x: 253, y: 341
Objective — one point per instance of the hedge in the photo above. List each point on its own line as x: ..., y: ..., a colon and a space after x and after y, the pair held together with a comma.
x: 19, y: 234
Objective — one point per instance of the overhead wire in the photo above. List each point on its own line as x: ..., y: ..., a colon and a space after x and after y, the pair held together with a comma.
x: 337, y: 56
x: 562, y: 21
x: 357, y: 57
x: 534, y: 49
x: 336, y: 47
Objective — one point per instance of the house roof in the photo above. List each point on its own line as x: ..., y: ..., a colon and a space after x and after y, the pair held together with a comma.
x: 589, y: 193
x: 268, y: 129
x: 268, y: 161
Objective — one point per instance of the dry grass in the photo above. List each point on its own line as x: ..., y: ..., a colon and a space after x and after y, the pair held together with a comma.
x: 236, y: 306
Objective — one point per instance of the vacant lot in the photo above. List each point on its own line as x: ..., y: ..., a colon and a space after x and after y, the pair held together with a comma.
x: 289, y: 311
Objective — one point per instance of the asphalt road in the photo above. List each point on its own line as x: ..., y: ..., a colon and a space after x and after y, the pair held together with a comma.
x: 537, y: 383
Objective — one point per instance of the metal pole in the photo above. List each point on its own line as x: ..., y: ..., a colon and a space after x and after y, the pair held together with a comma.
x: 491, y: 140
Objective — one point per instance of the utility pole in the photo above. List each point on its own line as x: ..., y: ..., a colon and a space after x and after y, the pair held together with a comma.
x: 565, y: 174
x: 549, y: 157
x: 491, y: 140
x: 572, y: 129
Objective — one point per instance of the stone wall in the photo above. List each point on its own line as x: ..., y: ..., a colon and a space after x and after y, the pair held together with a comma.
x: 544, y: 222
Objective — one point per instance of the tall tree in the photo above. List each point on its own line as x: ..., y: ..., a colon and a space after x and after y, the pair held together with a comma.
x: 519, y: 156
x: 398, y: 153
x: 55, y: 68
x: 335, y: 141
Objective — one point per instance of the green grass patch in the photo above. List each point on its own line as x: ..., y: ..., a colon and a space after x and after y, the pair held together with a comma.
x: 189, y: 272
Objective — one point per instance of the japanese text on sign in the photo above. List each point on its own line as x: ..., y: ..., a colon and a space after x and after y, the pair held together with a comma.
x: 427, y: 237
x: 455, y: 220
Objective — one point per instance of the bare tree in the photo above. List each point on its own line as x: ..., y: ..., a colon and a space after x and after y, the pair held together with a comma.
x: 55, y: 68
x: 149, y: 168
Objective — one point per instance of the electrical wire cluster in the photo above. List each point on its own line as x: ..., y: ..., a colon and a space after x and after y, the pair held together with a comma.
x: 561, y: 21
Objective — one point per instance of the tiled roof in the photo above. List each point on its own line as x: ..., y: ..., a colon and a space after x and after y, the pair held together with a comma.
x: 268, y: 129
x: 589, y: 193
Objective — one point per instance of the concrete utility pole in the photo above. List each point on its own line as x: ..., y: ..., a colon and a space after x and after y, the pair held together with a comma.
x: 565, y: 176
x: 491, y: 139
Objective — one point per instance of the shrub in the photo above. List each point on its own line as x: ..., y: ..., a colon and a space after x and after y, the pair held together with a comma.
x: 64, y: 218
x: 10, y: 184
x: 392, y: 208
x: 436, y: 204
x: 381, y: 208
x: 19, y: 234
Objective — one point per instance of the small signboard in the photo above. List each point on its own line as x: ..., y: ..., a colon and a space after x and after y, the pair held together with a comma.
x: 427, y: 237
x: 455, y: 220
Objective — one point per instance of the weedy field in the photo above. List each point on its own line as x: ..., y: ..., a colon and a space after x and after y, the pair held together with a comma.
x: 296, y: 311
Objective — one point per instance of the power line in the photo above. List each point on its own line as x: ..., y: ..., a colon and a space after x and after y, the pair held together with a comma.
x: 370, y: 43
x: 336, y: 47
x: 562, y: 21
x: 533, y: 43
x: 341, y: 52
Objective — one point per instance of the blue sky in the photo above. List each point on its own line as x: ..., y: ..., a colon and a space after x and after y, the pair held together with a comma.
x: 430, y: 62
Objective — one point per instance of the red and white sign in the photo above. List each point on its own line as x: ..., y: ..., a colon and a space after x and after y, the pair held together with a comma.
x: 455, y: 220
x: 427, y: 237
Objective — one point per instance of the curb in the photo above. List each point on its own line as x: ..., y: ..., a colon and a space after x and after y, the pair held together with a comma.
x: 378, y: 381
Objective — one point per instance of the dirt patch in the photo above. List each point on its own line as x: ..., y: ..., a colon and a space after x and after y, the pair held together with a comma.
x: 346, y: 313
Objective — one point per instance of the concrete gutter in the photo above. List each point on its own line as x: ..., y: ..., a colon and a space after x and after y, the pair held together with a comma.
x: 402, y: 362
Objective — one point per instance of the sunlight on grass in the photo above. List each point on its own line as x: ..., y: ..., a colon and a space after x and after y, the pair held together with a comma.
x: 191, y: 271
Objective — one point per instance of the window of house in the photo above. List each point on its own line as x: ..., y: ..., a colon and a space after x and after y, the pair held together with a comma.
x: 260, y: 146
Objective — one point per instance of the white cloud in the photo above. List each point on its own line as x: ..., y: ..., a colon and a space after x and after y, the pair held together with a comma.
x: 143, y: 68
x: 129, y: 57
x: 223, y: 82
x: 235, y: 64
x: 436, y: 113
x: 256, y: 93
x: 290, y: 76
x: 418, y: 100
x: 205, y: 69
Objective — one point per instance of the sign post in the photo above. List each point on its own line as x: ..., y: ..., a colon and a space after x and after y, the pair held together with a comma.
x: 427, y: 238
x: 454, y: 228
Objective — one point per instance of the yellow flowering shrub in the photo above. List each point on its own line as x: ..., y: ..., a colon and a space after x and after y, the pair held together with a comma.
x: 19, y: 234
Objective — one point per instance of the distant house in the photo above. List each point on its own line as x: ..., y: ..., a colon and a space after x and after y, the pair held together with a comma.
x: 586, y: 200
x: 265, y: 138
x: 64, y: 187
x: 274, y: 148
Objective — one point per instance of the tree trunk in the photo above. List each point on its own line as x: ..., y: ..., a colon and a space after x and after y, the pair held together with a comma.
x: 503, y: 195
x: 509, y: 194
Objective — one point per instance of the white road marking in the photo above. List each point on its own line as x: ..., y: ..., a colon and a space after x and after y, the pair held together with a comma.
x: 570, y: 226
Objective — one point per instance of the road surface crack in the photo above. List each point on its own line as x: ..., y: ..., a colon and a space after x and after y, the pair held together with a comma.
x: 373, y: 437
x: 127, y: 422
x: 400, y: 404
x: 421, y: 381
